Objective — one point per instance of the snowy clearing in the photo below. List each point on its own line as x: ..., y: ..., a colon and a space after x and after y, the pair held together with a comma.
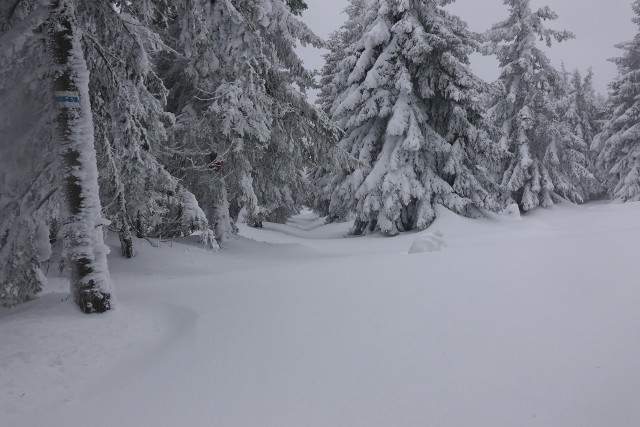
x: 495, y: 322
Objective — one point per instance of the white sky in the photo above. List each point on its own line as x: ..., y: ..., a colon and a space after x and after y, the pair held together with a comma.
x: 597, y: 24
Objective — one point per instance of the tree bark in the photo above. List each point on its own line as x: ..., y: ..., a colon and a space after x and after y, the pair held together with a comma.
x: 126, y: 240
x: 82, y: 232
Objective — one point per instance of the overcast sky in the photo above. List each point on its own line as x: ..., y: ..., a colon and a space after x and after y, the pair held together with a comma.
x: 597, y: 24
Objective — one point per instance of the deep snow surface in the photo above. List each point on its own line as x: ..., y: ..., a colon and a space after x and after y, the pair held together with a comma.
x: 494, y: 322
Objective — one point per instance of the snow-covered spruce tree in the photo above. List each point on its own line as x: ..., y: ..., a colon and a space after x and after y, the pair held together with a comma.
x: 297, y: 6
x: 547, y: 159
x: 237, y: 97
x: 332, y: 81
x: 572, y: 128
x: 27, y: 194
x: 583, y: 117
x: 82, y: 233
x: 410, y: 107
x: 327, y: 175
x: 27, y: 170
x: 618, y: 145
x: 591, y: 107
x: 128, y: 101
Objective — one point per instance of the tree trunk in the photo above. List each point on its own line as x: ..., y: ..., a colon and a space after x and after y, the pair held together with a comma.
x: 82, y: 233
x: 126, y: 240
x: 140, y: 226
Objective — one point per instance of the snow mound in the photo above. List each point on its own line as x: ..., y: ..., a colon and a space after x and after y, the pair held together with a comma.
x: 512, y: 211
x: 428, y: 242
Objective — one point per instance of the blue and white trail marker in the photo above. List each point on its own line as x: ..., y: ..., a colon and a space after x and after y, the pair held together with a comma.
x: 67, y: 99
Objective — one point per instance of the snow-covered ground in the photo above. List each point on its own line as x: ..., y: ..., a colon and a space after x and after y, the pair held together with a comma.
x: 493, y: 322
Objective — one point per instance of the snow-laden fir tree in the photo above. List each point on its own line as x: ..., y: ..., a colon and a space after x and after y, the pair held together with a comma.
x: 112, y: 52
x: 238, y: 98
x: 27, y: 162
x: 582, y: 114
x: 618, y: 145
x: 127, y: 103
x: 573, y: 126
x: 547, y: 159
x: 297, y: 6
x: 332, y: 82
x: 326, y: 175
x: 128, y: 100
x: 100, y: 51
x: 415, y: 129
x: 590, y: 105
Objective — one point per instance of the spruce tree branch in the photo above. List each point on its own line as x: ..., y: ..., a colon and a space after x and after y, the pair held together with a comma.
x: 13, y: 9
x: 19, y: 201
x: 103, y: 54
x: 46, y: 198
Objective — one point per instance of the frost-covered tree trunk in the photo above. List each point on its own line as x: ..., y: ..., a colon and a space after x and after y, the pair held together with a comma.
x: 82, y: 232
x: 126, y: 239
